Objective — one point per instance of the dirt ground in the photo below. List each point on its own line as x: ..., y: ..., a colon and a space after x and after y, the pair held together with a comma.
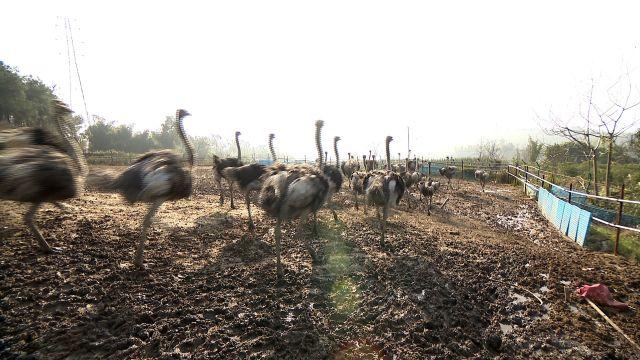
x: 484, y: 277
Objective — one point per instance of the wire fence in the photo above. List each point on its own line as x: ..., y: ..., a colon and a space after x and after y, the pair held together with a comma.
x: 601, y: 207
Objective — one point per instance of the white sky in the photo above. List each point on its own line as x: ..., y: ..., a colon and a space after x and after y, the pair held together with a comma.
x: 454, y: 71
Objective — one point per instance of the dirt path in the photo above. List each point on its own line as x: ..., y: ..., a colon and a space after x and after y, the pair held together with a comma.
x: 454, y: 284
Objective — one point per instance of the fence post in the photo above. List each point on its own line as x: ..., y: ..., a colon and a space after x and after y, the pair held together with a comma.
x: 570, y: 190
x: 619, y: 220
x: 542, y: 182
x: 429, y: 168
x: 526, y: 178
x: 462, y: 172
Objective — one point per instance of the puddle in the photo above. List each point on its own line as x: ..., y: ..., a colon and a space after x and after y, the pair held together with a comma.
x: 506, y: 329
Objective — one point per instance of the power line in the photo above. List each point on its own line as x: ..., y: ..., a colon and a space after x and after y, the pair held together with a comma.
x: 75, y: 60
x: 66, y: 34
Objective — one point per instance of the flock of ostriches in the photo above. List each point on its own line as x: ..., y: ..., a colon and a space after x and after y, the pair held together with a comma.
x: 38, y: 166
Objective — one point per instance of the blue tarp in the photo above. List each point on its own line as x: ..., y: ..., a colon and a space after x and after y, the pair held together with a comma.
x: 568, y: 218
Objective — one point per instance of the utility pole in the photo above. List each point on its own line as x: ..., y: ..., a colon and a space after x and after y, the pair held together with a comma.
x: 408, y: 148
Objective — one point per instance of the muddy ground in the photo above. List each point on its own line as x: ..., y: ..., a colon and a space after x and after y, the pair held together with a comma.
x: 484, y: 277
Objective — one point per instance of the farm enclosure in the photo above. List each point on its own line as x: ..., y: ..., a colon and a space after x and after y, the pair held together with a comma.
x: 456, y: 284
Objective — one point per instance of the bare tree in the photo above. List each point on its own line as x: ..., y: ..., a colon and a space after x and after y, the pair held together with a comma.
x: 614, y: 122
x: 492, y: 151
x: 585, y: 133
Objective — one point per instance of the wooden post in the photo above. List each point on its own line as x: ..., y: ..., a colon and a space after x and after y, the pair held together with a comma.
x: 526, y: 177
x: 542, y: 182
x: 462, y: 172
x: 618, y: 221
x: 429, y: 168
x: 570, y: 190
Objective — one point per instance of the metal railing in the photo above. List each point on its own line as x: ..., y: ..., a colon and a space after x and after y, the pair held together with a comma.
x: 516, y: 171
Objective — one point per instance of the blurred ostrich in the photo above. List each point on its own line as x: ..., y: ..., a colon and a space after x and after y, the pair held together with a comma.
x: 248, y: 178
x: 481, y: 176
x: 154, y: 178
x: 448, y: 172
x: 218, y: 170
x: 427, y: 190
x: 349, y: 167
x: 296, y: 191
x: 38, y: 167
x: 384, y: 189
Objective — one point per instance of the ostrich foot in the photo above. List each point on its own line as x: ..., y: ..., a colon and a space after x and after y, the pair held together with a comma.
x: 50, y: 250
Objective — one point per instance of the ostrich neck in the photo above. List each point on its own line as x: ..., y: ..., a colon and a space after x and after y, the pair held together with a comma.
x: 319, y: 145
x: 187, y: 145
x: 238, y: 147
x: 72, y: 145
x: 271, y: 149
x: 335, y: 148
x: 388, y: 157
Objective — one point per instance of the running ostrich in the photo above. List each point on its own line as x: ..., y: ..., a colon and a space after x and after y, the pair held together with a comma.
x: 218, y: 170
x: 384, y: 189
x: 37, y: 167
x: 482, y: 176
x: 296, y: 191
x: 449, y: 172
x: 154, y: 178
x: 427, y: 190
x: 248, y: 178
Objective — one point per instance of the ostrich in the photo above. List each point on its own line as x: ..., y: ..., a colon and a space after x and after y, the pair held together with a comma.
x: 37, y: 167
x: 482, y: 176
x: 333, y: 173
x: 449, y: 172
x: 154, y: 178
x: 295, y: 191
x: 357, y: 185
x: 349, y: 167
x: 248, y: 178
x: 384, y: 189
x: 427, y: 190
x: 218, y: 170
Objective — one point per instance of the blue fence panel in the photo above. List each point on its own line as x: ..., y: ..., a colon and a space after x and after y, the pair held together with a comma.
x: 566, y: 218
x: 557, y: 215
x: 583, y: 226
x: 573, y: 222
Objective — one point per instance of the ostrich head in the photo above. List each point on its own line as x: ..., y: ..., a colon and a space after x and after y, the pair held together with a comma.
x: 182, y: 113
x: 61, y: 108
x: 272, y: 136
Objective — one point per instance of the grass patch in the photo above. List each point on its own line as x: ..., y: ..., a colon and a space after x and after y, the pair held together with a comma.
x: 603, y: 238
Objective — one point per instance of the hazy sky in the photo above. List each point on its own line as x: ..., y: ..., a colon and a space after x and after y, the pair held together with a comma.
x: 454, y: 71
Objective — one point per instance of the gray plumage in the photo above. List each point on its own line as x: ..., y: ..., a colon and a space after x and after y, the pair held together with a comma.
x: 295, y: 191
x: 448, y: 172
x: 37, y: 167
x: 427, y: 190
x: 482, y: 177
x: 249, y: 178
x: 384, y: 189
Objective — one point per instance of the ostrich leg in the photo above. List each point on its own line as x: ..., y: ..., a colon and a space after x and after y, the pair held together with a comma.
x: 304, y: 218
x: 355, y: 198
x: 145, y: 226
x: 248, y: 202
x: 233, y: 206
x: 278, y: 235
x: 385, y: 214
x: 219, y: 181
x: 29, y: 219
